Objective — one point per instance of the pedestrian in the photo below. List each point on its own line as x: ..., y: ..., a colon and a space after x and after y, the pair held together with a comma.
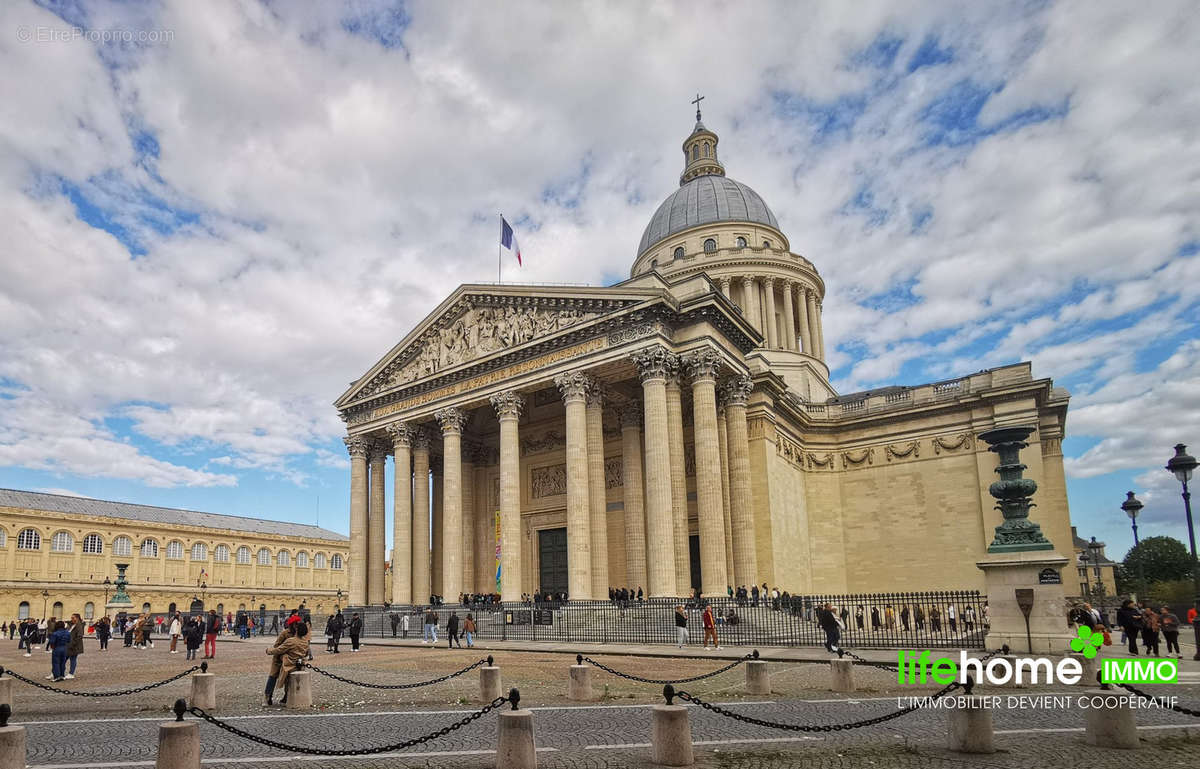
x: 211, y: 628
x: 1150, y: 631
x: 404, y: 626
x: 1130, y: 620
x: 452, y: 631
x: 356, y: 626
x: 58, y: 642
x: 75, y: 647
x: 28, y: 630
x: 103, y: 633
x: 469, y: 630
x: 904, y: 613
x: 290, y: 647
x: 193, y: 636
x: 968, y: 617
x: 176, y: 629
x: 952, y: 618
x: 431, y: 623
x: 935, y: 619
x: 339, y: 627
x: 1169, y: 623
x: 395, y: 619
x: 710, y: 626
x: 681, y: 629
x: 832, y: 626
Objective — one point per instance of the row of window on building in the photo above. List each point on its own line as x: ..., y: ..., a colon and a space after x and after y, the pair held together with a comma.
x: 710, y: 247
x: 89, y: 609
x: 93, y: 544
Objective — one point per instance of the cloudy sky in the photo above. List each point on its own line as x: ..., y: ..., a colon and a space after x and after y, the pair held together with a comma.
x: 215, y: 215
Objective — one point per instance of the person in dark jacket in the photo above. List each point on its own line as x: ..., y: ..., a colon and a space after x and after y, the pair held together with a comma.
x: 103, y: 633
x: 1130, y: 620
x: 681, y: 628
x: 832, y: 627
x: 58, y: 642
x: 356, y: 626
x: 452, y: 631
x: 211, y: 628
x: 75, y: 647
x: 193, y: 636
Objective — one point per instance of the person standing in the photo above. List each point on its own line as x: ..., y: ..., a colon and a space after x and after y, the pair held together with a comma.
x: 452, y: 631
x: 395, y: 619
x: 356, y: 626
x: 1130, y: 621
x: 832, y: 626
x: 710, y: 626
x: 681, y: 628
x: 339, y: 627
x: 1169, y: 623
x: 952, y: 617
x: 103, y: 633
x: 1150, y: 636
x: 469, y: 630
x: 211, y: 628
x: 75, y: 646
x: 404, y: 625
x: 193, y: 636
x: 58, y: 642
x: 176, y: 629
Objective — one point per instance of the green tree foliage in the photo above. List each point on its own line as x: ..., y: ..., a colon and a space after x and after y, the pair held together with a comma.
x: 1158, y: 559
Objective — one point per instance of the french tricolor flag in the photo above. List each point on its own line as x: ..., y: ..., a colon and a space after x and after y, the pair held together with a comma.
x: 508, y: 239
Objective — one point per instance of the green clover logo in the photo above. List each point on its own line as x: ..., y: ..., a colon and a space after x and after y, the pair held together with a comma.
x: 1088, y: 643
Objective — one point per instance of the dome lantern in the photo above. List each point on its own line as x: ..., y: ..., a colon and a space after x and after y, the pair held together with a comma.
x: 700, y: 151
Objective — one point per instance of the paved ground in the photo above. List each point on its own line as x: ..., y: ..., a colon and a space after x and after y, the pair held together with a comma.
x: 68, y: 731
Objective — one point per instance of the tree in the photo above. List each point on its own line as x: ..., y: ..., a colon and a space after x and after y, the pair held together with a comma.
x: 1158, y: 559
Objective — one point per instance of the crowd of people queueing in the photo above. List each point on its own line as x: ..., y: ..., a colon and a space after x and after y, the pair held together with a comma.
x: 1137, y: 621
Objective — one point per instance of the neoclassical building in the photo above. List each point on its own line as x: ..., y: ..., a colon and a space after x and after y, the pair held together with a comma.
x: 675, y: 430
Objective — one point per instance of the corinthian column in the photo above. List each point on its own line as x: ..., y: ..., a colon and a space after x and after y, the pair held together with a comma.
x: 789, y: 317
x: 679, y: 511
x: 420, y: 536
x: 573, y: 386
x: 358, y: 446
x: 468, y: 523
x: 703, y: 366
x: 654, y: 365
x: 452, y: 421
x: 813, y: 324
x: 401, y: 513
x: 597, y: 496
x: 741, y: 501
x: 750, y: 292
x: 376, y: 527
x: 509, y: 406
x: 724, y: 284
x: 437, y: 498
x: 802, y: 313
x: 723, y: 447
x: 820, y: 333
x: 635, y: 511
x: 772, y: 328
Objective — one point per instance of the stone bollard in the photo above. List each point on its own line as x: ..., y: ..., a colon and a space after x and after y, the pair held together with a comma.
x: 1091, y: 667
x: 178, y: 742
x: 5, y: 689
x: 843, y: 675
x: 969, y: 725
x: 515, y: 747
x: 1110, y: 724
x: 757, y: 680
x: 299, y: 690
x: 579, y: 686
x: 670, y: 733
x: 489, y: 682
x: 12, y: 740
x: 204, y: 689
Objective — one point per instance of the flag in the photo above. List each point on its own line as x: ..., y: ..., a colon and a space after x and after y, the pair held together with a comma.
x: 508, y: 239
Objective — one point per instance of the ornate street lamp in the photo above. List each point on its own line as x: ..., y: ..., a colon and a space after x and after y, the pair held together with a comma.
x: 45, y: 600
x: 107, y: 585
x: 337, y: 606
x: 1183, y: 465
x: 1133, y: 508
x: 1095, y: 549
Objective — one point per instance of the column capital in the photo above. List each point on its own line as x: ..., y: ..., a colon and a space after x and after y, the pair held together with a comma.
x: 596, y: 391
x: 631, y: 414
x: 801, y: 289
x: 735, y: 390
x: 420, y: 438
x: 724, y: 283
x: 747, y: 280
x: 656, y: 362
x: 508, y: 404
x: 378, y: 451
x: 703, y: 364
x: 788, y: 283
x: 451, y: 419
x: 357, y: 445
x: 768, y: 281
x: 573, y: 385
x: 402, y: 434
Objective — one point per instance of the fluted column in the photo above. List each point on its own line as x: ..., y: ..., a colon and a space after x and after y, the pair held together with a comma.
x: 420, y: 536
x: 703, y: 366
x: 772, y: 327
x: 376, y: 527
x: 509, y: 406
x: 452, y: 421
x: 469, y: 515
x: 810, y: 305
x: 597, y: 496
x: 741, y: 500
x: 401, y: 435
x: 635, y: 511
x: 750, y: 292
x: 679, y: 511
x: 437, y: 498
x: 820, y: 333
x: 654, y: 365
x: 358, y: 446
x: 724, y: 284
x: 573, y: 386
x: 723, y: 448
x: 789, y: 317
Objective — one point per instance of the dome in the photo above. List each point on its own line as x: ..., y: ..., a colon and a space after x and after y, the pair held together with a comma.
x: 705, y: 200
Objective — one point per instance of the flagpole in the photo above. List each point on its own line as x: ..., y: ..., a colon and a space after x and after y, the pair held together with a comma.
x: 498, y: 247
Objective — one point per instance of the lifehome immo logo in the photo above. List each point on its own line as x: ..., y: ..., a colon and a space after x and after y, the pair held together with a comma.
x: 921, y: 667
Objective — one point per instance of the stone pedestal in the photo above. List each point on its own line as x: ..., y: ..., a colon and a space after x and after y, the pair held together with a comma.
x: 1090, y: 668
x: 670, y: 736
x: 969, y: 726
x: 1108, y: 723
x: 757, y: 680
x: 204, y: 692
x: 489, y: 684
x: 515, y: 747
x: 1003, y: 574
x: 12, y: 747
x: 6, y: 691
x: 178, y: 745
x: 579, y: 686
x: 299, y: 690
x: 843, y: 675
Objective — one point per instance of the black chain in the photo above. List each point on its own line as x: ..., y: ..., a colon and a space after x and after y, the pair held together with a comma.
x: 1162, y: 702
x: 446, y: 677
x: 639, y: 679
x: 815, y: 727
x: 199, y: 713
x: 121, y: 693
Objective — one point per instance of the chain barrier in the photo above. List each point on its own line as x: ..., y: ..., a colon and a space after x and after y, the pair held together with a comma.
x: 670, y: 693
x: 5, y: 671
x: 1162, y: 702
x: 447, y: 677
x: 751, y: 656
x: 181, y: 707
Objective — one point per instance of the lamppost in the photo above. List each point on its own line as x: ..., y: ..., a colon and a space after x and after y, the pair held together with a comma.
x: 204, y: 593
x: 1183, y: 465
x: 107, y: 585
x: 1133, y: 508
x: 1095, y: 548
x: 338, y: 605
x: 45, y: 600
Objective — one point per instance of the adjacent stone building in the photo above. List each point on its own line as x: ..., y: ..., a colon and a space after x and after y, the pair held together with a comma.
x: 675, y: 430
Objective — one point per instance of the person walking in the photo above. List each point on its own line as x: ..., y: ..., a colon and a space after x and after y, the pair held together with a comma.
x: 175, y: 630
x: 193, y: 636
x: 404, y: 626
x: 431, y: 623
x: 356, y: 626
x: 211, y: 628
x: 395, y: 620
x: 829, y: 622
x: 469, y: 630
x: 1130, y: 620
x: 1169, y: 624
x: 28, y: 632
x: 57, y: 642
x: 681, y: 628
x: 339, y: 627
x: 1150, y: 637
x: 75, y: 646
x: 452, y: 631
x: 103, y: 633
x: 710, y: 626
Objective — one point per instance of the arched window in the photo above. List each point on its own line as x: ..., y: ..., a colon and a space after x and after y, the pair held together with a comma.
x: 175, y: 550
x: 23, y: 610
x: 221, y: 554
x: 171, y: 608
x: 766, y: 244
x: 654, y: 264
x: 146, y: 608
x: 336, y: 561
x: 243, y: 555
x: 710, y: 246
x: 200, y: 552
x: 3, y: 538
x: 89, y: 610
x: 705, y: 149
x: 122, y: 546
x: 283, y: 558
x: 264, y: 557
x: 57, y: 610
x: 221, y: 610
x: 695, y: 152
x: 93, y: 544
x: 29, y: 539
x: 62, y: 542
x: 678, y: 252
x: 241, y: 607
x: 741, y: 242
x: 302, y: 559
x: 319, y: 561
x: 149, y: 548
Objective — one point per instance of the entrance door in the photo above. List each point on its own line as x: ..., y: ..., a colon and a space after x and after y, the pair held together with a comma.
x: 552, y: 560
x: 694, y: 557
